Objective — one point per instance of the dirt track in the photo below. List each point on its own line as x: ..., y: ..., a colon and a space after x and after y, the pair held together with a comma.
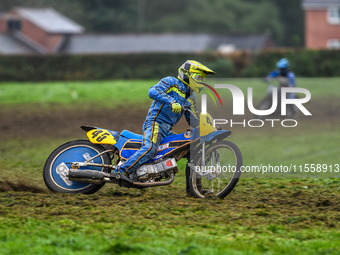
x: 296, y: 204
x: 57, y: 121
x: 63, y: 122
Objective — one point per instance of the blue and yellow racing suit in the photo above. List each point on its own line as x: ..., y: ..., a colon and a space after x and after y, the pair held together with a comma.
x: 160, y: 119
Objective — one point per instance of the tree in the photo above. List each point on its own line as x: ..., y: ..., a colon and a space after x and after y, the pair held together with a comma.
x: 218, y: 16
x: 292, y: 16
x: 283, y: 19
x: 117, y: 16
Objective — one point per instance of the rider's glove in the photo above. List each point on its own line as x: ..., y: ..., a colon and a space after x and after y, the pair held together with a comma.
x: 176, y: 107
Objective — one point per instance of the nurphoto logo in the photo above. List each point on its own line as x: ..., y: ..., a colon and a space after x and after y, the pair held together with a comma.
x: 280, y: 100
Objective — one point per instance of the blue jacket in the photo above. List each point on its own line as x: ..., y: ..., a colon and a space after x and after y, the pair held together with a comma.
x: 290, y: 76
x: 167, y: 91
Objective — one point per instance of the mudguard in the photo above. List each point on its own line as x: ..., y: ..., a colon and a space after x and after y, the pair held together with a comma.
x: 216, y: 135
x: 101, y: 136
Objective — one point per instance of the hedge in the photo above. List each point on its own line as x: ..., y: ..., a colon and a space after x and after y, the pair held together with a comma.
x: 305, y: 63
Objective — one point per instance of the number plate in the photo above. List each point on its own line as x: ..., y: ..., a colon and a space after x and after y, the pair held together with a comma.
x: 101, y: 136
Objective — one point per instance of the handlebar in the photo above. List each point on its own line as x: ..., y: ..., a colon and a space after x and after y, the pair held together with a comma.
x: 277, y: 81
x: 187, y: 109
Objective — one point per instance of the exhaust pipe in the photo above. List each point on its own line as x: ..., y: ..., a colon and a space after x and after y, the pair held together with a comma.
x: 87, y: 176
x: 154, y: 184
x: 96, y: 177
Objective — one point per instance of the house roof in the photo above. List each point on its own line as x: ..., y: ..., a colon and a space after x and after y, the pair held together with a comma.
x: 319, y: 4
x: 165, y: 43
x: 251, y: 42
x: 9, y: 45
x: 50, y: 20
x: 91, y: 43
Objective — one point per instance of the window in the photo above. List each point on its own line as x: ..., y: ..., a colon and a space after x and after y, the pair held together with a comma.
x: 334, y: 15
x: 333, y: 44
x: 13, y: 25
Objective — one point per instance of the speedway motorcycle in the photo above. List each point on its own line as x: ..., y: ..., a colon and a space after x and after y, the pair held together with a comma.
x: 267, y: 101
x: 84, y: 166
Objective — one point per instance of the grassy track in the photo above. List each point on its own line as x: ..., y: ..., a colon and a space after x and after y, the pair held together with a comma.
x: 102, y: 93
x: 113, y: 93
x: 274, y: 216
x: 261, y: 216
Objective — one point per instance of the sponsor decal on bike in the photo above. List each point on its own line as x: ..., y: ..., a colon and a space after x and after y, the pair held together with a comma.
x: 87, y: 156
x: 157, y: 157
x: 163, y: 146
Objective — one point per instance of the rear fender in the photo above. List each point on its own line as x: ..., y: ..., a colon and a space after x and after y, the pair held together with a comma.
x: 216, y: 135
x: 101, y: 136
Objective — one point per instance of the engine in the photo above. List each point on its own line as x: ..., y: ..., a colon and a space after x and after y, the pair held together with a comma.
x: 157, y: 170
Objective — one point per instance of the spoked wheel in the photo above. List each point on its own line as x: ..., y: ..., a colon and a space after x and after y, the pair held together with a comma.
x: 58, y: 164
x: 291, y: 111
x: 265, y: 104
x: 220, y: 174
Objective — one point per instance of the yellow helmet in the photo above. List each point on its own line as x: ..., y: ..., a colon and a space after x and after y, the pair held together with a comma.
x: 193, y: 74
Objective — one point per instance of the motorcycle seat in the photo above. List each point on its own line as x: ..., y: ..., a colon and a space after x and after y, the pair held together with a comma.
x: 131, y: 135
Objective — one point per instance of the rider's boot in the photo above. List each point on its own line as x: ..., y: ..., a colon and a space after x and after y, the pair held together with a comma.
x: 120, y: 176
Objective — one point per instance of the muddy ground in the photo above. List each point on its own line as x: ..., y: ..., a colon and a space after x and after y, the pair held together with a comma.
x: 64, y: 122
x: 256, y: 207
x: 58, y: 121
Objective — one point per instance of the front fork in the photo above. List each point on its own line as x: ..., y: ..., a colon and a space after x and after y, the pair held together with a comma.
x: 203, y: 155
x: 193, y: 167
x: 209, y: 176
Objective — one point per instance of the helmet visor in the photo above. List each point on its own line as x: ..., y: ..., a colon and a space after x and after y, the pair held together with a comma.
x: 198, y: 77
x: 194, y: 83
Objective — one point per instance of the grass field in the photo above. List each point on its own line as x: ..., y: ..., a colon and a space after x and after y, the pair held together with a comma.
x: 113, y: 93
x: 261, y: 216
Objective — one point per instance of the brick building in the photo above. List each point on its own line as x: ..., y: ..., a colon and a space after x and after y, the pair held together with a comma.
x: 322, y: 24
x: 32, y: 30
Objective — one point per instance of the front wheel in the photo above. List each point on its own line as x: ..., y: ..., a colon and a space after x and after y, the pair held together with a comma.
x: 291, y: 111
x: 58, y: 164
x: 220, y: 172
x: 265, y: 104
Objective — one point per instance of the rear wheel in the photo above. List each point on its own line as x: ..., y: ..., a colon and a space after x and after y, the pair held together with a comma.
x: 221, y: 172
x: 58, y: 164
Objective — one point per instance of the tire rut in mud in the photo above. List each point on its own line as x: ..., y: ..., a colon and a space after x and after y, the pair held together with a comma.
x: 8, y: 185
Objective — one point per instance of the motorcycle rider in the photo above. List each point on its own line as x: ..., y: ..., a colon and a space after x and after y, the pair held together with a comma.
x: 169, y: 96
x: 285, y: 77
